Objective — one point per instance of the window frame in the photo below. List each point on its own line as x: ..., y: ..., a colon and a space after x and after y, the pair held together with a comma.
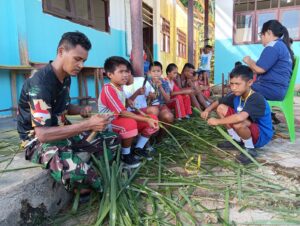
x: 71, y: 15
x: 165, y: 33
x: 278, y: 12
x: 235, y: 27
x: 297, y: 7
x: 275, y: 10
x: 181, y: 43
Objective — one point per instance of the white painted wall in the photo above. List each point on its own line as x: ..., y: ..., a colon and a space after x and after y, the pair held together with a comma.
x: 224, y: 19
x: 117, y: 14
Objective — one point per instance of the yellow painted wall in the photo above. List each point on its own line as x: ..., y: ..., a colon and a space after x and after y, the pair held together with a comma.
x: 176, y: 14
x: 181, y: 23
x: 167, y: 11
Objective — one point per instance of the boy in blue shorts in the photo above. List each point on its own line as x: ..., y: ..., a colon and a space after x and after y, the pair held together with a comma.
x: 244, y: 112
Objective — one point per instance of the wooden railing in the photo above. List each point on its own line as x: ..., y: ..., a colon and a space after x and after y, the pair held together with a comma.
x: 26, y: 70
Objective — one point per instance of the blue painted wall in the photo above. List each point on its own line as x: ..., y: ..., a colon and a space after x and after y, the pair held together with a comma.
x: 227, y: 54
x: 8, y: 34
x: 156, y: 51
x: 25, y: 19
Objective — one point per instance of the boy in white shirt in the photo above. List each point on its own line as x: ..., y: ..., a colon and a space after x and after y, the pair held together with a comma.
x: 137, y: 91
x: 205, y: 60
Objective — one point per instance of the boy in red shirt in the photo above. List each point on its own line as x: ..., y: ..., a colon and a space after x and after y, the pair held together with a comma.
x: 180, y: 99
x: 127, y: 124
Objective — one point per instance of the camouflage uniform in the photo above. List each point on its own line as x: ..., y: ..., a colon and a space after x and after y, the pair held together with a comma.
x: 64, y: 160
x: 44, y: 102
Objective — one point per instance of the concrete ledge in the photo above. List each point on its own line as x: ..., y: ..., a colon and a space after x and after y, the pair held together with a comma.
x: 28, y: 196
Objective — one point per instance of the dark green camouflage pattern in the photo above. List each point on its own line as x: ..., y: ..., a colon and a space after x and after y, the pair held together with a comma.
x: 65, y: 165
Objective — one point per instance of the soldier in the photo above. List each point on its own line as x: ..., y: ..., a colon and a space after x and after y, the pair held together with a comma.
x: 48, y: 137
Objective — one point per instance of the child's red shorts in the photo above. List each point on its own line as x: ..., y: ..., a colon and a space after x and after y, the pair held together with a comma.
x: 254, y: 129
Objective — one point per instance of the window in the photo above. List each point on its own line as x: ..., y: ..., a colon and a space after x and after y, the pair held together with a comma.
x: 261, y: 18
x: 91, y: 13
x: 250, y: 15
x: 181, y: 44
x: 244, y: 27
x: 291, y: 19
x: 165, y: 35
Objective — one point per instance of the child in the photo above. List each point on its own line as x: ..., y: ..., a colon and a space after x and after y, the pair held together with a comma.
x: 202, y: 82
x: 186, y: 80
x: 205, y: 60
x: 127, y: 124
x: 162, y: 92
x: 137, y: 90
x: 180, y: 99
x: 244, y: 112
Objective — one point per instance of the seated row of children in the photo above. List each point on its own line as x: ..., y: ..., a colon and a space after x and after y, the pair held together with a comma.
x: 139, y: 103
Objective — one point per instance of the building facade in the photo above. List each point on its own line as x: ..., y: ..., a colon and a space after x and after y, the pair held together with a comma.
x: 237, y: 24
x: 30, y: 31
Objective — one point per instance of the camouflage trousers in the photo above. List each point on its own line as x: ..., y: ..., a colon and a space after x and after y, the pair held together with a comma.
x: 69, y: 160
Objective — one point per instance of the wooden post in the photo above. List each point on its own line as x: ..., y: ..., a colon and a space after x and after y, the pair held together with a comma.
x: 222, y: 84
x: 79, y: 80
x: 191, y: 31
x: 96, y: 81
x: 13, y: 87
x: 86, y: 91
x: 206, y: 14
x: 137, y: 37
x: 101, y: 77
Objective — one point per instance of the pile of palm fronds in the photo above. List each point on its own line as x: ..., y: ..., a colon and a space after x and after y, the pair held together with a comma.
x: 9, y: 147
x: 189, y: 182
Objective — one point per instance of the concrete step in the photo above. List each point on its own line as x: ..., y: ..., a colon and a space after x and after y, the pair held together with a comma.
x: 29, y: 196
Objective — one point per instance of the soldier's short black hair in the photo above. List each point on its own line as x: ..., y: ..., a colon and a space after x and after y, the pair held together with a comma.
x: 71, y: 39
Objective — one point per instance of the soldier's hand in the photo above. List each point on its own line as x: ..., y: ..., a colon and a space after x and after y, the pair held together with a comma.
x: 86, y: 111
x: 99, y: 122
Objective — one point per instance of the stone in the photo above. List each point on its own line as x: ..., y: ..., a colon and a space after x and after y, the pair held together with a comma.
x: 29, y: 196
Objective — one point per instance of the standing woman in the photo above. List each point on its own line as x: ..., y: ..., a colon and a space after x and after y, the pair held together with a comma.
x: 274, y: 66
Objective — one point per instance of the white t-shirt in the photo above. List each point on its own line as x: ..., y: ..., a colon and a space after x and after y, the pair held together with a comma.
x: 205, y: 61
x: 141, y: 100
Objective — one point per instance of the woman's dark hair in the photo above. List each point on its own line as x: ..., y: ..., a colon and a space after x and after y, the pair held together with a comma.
x: 279, y: 31
x: 171, y: 67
